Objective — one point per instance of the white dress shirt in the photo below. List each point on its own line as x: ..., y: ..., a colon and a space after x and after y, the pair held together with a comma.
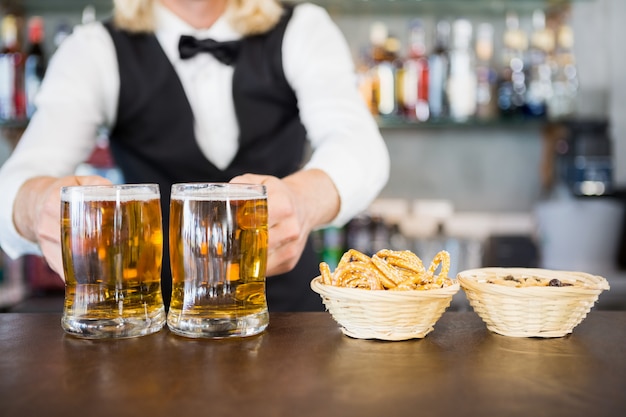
x: 81, y: 88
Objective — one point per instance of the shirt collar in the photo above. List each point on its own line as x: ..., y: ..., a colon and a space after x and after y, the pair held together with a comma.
x: 169, y: 28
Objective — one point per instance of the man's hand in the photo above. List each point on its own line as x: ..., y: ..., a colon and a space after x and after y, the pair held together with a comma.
x: 297, y: 204
x: 37, y: 213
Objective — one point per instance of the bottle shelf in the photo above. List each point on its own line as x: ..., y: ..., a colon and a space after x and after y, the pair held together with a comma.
x: 32, y: 7
x: 434, y: 8
x: 438, y: 7
x: 399, y: 123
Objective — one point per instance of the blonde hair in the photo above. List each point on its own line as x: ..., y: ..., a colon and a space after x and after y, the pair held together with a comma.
x: 248, y: 17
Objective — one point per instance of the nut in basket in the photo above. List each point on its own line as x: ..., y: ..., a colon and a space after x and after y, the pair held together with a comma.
x: 531, y: 302
x: 390, y: 296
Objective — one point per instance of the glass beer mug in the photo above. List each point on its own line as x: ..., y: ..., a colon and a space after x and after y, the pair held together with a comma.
x: 218, y: 252
x: 112, y: 245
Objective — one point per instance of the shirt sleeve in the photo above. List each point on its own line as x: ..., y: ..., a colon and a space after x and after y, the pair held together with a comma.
x: 345, y: 139
x: 77, y: 97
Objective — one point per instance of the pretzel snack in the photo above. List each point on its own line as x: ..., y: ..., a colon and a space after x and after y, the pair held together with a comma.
x: 387, y: 270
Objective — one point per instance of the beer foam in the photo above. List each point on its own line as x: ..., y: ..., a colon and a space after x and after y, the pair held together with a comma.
x: 217, y: 193
x: 205, y: 195
x: 107, y: 193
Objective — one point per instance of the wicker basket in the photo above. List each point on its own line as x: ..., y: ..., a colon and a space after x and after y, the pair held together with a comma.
x: 382, y: 314
x: 531, y: 311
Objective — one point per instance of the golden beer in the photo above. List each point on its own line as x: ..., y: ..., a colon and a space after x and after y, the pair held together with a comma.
x: 112, y: 244
x: 218, y: 253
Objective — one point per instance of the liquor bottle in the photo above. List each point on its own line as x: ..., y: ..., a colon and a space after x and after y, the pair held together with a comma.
x: 486, y: 77
x: 385, y: 50
x: 12, y: 102
x: 539, y: 82
x: 565, y: 76
x: 35, y: 64
x: 439, y: 69
x: 512, y: 80
x: 413, y: 78
x: 462, y: 81
x: 365, y: 79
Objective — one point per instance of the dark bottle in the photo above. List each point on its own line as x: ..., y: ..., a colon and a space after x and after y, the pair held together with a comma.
x: 438, y: 72
x: 35, y: 64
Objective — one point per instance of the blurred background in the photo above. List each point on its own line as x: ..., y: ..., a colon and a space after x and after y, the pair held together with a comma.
x: 504, y: 120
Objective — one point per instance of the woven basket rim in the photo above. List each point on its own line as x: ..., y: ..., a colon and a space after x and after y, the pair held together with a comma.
x: 361, y: 294
x: 475, y: 279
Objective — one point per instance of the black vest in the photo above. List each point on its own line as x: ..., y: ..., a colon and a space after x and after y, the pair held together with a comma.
x: 153, y: 138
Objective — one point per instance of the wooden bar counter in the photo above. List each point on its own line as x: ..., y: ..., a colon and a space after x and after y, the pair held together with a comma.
x: 304, y: 366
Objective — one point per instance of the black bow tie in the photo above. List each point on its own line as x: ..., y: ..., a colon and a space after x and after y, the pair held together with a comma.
x: 225, y: 52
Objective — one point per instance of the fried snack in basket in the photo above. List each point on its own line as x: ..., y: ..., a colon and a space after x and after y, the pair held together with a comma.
x: 387, y: 270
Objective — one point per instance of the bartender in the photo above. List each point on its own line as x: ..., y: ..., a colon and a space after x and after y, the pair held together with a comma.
x: 249, y: 91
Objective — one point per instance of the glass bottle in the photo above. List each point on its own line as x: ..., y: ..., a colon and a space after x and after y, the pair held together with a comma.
x: 12, y: 102
x: 462, y: 81
x: 414, y: 80
x: 539, y: 82
x: 365, y: 79
x: 333, y: 245
x: 385, y: 50
x: 486, y: 102
x: 439, y: 69
x: 512, y: 80
x: 35, y: 64
x: 565, y: 76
